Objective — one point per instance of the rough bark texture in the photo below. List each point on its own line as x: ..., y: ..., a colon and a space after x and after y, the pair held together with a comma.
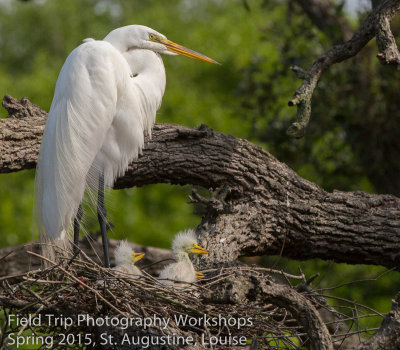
x: 377, y: 24
x: 269, y: 210
x: 24, y: 128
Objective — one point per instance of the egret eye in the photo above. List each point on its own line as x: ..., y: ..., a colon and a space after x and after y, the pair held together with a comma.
x: 153, y: 37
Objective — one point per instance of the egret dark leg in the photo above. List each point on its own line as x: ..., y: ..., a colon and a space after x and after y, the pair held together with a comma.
x: 101, y: 214
x: 77, y: 225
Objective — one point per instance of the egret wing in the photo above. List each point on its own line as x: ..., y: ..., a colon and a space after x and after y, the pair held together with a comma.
x: 91, y: 82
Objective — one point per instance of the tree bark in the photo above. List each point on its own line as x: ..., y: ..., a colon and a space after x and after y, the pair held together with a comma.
x: 20, y: 134
x: 269, y: 209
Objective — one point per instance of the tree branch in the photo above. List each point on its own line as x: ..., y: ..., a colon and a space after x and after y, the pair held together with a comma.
x: 376, y: 24
x: 388, y: 50
x: 269, y: 208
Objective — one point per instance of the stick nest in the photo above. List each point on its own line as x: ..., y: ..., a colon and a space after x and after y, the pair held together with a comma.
x: 233, y: 298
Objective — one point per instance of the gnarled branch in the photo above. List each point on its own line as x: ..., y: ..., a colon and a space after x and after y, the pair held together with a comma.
x: 377, y: 24
x: 269, y: 210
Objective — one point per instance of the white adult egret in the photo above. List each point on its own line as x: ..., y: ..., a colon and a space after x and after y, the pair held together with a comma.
x: 182, y: 270
x: 125, y: 259
x: 105, y: 101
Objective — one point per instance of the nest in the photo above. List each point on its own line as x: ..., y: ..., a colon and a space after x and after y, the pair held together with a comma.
x: 78, y: 304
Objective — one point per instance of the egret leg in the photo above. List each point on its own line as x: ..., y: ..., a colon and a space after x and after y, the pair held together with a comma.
x: 77, y: 225
x: 101, y: 214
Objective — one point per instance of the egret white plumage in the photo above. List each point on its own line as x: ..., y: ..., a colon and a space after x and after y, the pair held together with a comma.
x: 182, y: 270
x: 125, y: 259
x: 105, y: 101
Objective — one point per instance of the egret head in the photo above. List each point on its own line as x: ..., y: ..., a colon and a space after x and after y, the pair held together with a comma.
x: 124, y: 254
x: 185, y: 243
x: 142, y: 37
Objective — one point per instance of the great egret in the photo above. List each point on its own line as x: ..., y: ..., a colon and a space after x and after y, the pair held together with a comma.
x: 125, y: 259
x: 182, y: 270
x: 105, y: 101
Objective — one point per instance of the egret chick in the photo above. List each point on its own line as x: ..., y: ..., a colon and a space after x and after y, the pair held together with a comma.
x: 182, y: 270
x: 125, y: 259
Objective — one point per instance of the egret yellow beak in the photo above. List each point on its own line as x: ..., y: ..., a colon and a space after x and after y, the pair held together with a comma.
x: 137, y: 256
x: 181, y: 50
x: 199, y: 275
x: 196, y: 249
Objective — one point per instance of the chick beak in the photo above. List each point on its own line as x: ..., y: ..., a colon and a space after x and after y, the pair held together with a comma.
x: 181, y: 50
x: 137, y: 256
x: 199, y: 275
x: 196, y: 249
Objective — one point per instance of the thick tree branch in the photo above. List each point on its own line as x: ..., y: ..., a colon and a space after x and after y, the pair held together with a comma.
x: 269, y: 208
x: 376, y: 24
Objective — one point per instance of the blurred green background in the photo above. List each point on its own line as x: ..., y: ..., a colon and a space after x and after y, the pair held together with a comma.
x: 352, y: 142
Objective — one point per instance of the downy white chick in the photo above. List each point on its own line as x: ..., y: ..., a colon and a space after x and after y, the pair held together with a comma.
x: 125, y: 259
x: 185, y: 243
